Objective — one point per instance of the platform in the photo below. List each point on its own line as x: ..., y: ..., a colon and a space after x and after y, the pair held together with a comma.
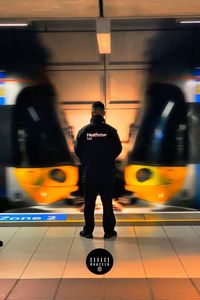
x: 150, y: 263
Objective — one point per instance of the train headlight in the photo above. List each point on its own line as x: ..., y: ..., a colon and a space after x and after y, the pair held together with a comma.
x: 143, y: 174
x: 57, y: 175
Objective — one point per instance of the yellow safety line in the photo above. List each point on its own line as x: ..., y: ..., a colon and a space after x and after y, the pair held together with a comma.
x: 130, y: 220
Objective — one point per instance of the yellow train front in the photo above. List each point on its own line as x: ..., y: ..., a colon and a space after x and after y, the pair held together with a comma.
x: 37, y: 166
x: 157, y: 160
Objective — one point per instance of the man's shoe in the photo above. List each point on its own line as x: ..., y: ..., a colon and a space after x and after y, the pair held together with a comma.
x: 110, y: 235
x: 86, y: 235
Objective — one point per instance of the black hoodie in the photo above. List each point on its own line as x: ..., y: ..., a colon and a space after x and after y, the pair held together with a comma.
x: 97, y: 145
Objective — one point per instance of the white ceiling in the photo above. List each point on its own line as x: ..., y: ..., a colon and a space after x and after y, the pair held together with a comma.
x: 151, y: 8
x: 63, y: 9
x: 48, y: 9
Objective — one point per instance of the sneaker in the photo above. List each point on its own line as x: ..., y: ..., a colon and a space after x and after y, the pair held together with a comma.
x: 86, y: 235
x: 110, y: 235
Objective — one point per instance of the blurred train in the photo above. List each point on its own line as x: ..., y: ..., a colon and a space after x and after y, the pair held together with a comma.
x: 163, y: 164
x: 36, y: 161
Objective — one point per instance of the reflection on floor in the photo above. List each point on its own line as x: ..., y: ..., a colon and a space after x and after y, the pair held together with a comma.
x: 150, y: 263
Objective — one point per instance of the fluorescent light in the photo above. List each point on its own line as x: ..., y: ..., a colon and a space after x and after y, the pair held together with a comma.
x: 104, y: 43
x: 190, y: 22
x: 103, y: 36
x: 13, y: 24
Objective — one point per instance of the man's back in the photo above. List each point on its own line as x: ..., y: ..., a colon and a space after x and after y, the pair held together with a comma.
x: 97, y: 145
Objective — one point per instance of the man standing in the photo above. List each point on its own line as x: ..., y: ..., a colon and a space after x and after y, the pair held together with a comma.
x: 97, y: 145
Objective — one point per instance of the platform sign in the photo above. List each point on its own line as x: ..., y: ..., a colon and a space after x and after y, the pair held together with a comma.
x: 2, y: 88
x: 40, y: 217
x: 197, y: 95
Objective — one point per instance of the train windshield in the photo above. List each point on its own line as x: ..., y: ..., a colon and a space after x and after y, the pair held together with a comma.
x: 37, y: 137
x: 162, y: 136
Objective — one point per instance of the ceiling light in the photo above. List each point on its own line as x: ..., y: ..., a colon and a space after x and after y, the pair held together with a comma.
x: 103, y: 36
x: 190, y: 21
x: 14, y: 24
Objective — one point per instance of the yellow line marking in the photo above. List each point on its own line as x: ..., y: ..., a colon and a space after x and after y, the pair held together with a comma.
x: 132, y: 220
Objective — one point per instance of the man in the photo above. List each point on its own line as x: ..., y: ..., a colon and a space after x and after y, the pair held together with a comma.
x: 97, y: 145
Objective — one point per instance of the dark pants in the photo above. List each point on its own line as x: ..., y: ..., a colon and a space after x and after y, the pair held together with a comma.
x: 90, y: 193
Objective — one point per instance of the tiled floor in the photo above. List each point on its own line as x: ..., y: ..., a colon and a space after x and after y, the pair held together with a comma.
x: 150, y: 263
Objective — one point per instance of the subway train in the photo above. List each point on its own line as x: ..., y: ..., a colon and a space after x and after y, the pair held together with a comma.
x: 163, y: 161
x: 36, y: 162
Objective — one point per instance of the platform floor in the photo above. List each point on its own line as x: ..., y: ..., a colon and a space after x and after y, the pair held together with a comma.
x: 150, y: 262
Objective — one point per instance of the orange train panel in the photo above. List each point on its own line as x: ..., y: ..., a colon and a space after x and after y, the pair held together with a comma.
x: 43, y: 188
x: 159, y: 186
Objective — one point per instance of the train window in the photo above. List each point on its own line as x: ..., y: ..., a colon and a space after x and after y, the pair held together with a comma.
x: 37, y: 137
x: 162, y: 136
